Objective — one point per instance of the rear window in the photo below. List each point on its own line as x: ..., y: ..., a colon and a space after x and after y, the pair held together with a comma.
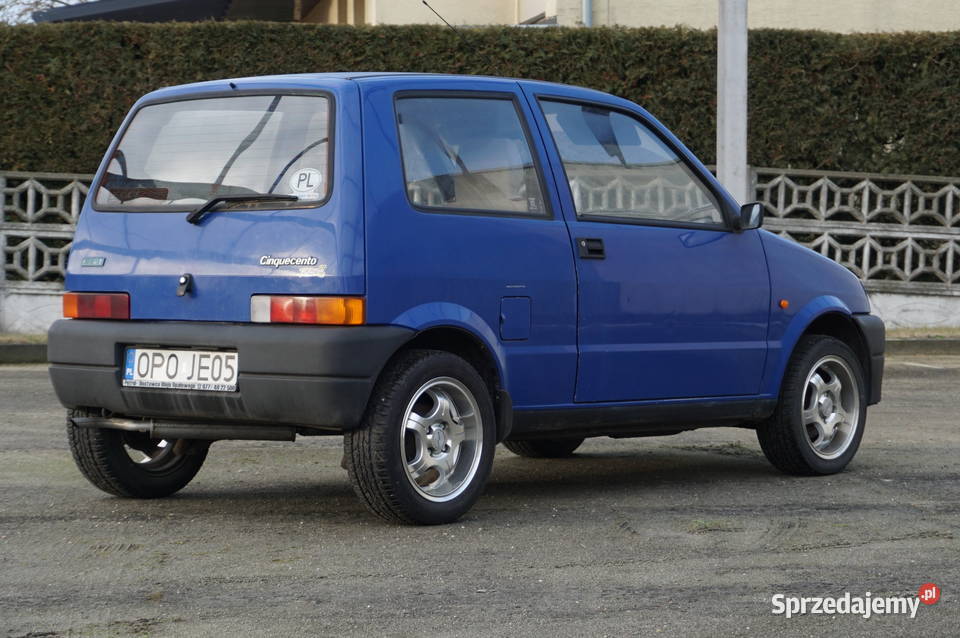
x: 178, y: 155
x: 467, y: 154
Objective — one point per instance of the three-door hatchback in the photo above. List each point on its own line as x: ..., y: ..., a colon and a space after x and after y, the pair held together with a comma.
x: 429, y: 265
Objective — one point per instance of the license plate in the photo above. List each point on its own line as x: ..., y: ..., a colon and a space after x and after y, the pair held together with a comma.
x: 208, y: 371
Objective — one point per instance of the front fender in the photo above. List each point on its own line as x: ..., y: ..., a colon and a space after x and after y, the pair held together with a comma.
x: 780, y: 350
x: 449, y: 315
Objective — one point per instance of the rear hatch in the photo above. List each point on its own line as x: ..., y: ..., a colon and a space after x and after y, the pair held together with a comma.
x: 261, y: 163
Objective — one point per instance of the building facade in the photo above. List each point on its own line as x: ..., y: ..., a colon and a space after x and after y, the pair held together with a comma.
x: 829, y: 15
x: 847, y: 16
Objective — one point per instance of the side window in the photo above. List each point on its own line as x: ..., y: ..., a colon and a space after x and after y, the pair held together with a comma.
x: 618, y: 168
x: 468, y: 154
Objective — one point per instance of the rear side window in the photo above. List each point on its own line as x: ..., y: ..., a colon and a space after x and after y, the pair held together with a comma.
x: 467, y: 154
x: 618, y: 168
x: 176, y: 155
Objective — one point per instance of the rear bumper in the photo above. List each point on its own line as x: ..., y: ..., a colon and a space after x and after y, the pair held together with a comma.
x: 319, y: 376
x: 874, y: 333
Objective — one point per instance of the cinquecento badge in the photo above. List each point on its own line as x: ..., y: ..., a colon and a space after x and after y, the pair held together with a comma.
x: 277, y: 262
x: 306, y: 263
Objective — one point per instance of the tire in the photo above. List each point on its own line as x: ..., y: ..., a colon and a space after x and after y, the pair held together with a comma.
x: 105, y: 458
x: 425, y: 446
x: 818, y: 424
x: 544, y: 448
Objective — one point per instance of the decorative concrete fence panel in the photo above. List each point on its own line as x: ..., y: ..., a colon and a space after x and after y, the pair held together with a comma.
x: 900, y: 234
x: 39, y: 213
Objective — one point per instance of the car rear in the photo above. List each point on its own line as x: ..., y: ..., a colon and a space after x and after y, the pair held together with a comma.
x: 217, y: 272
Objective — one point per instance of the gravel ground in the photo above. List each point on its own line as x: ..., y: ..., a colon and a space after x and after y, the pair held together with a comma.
x: 687, y: 535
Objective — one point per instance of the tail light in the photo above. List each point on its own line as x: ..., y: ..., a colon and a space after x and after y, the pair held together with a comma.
x: 340, y: 311
x: 96, y: 305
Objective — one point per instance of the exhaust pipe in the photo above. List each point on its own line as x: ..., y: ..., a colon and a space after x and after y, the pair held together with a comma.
x: 200, y: 431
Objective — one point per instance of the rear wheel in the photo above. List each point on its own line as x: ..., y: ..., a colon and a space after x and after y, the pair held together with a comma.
x: 544, y: 448
x: 132, y: 464
x: 819, y: 421
x: 425, y: 447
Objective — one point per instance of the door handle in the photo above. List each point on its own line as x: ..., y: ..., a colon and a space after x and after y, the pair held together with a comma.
x: 590, y: 248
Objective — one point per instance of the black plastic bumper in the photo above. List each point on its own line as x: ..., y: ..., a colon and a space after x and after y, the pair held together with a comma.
x: 318, y: 376
x: 874, y: 333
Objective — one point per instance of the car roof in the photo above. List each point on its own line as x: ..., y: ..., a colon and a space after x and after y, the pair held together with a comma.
x: 399, y: 76
x: 306, y: 81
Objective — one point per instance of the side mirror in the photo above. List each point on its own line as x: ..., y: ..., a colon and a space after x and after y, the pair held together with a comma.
x: 751, y: 216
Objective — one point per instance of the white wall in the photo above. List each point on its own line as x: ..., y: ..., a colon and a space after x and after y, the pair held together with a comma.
x: 916, y: 311
x: 27, y: 312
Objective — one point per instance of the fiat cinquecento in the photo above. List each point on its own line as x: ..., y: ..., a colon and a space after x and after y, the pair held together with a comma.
x: 428, y: 266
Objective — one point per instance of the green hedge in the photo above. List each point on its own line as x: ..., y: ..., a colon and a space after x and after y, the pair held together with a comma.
x: 885, y: 103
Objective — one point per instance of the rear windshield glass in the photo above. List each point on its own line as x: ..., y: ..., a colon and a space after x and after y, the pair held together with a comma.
x: 178, y: 155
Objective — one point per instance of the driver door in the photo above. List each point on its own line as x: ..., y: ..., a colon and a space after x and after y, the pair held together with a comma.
x: 671, y: 303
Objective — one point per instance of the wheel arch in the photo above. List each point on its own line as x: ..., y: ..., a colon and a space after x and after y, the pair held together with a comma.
x: 830, y: 317
x: 471, y: 347
x: 843, y: 327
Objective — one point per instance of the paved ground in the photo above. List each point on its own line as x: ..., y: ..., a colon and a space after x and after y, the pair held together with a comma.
x: 686, y: 535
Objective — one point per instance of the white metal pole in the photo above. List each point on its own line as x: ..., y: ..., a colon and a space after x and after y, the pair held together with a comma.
x: 586, y: 13
x: 732, y: 99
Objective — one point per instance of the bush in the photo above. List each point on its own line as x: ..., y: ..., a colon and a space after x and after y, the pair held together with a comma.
x: 884, y: 103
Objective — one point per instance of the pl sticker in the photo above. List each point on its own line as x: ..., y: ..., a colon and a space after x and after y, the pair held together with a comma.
x: 306, y: 183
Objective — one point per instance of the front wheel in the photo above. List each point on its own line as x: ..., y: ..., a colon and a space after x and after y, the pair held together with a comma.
x: 819, y: 421
x: 425, y: 447
x: 132, y: 464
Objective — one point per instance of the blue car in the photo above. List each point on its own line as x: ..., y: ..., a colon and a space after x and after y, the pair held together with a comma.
x: 431, y: 265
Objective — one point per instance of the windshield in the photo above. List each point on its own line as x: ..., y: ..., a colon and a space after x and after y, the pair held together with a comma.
x: 179, y: 155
